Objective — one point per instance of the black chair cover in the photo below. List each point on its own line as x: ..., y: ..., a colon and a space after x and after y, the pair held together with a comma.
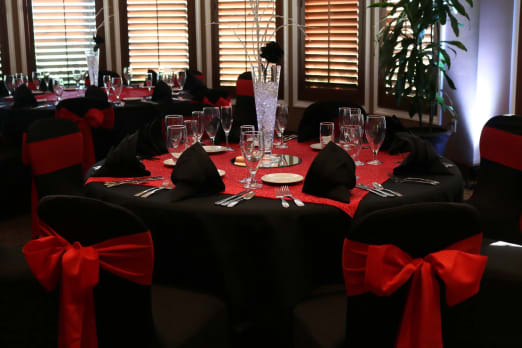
x: 321, y: 111
x: 498, y: 193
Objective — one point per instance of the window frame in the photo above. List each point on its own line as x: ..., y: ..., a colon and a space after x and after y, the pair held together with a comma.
x: 124, y: 33
x: 4, y: 41
x: 215, y: 47
x: 29, y: 35
x: 332, y: 91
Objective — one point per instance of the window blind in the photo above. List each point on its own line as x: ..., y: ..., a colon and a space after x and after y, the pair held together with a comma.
x: 158, y: 35
x: 331, y: 52
x: 236, y: 31
x: 63, y: 31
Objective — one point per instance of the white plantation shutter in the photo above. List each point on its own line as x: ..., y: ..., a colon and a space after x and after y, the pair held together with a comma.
x: 1, y: 71
x: 236, y: 24
x: 63, y: 31
x: 331, y: 53
x: 158, y: 35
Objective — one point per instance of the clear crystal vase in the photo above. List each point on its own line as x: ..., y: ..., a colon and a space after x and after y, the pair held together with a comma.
x: 265, y: 78
x: 93, y: 60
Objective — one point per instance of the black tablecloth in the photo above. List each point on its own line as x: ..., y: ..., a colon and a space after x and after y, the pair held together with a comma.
x: 262, y: 259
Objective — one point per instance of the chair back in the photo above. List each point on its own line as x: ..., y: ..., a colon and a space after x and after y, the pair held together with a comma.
x: 417, y: 230
x: 122, y: 307
x: 95, y: 119
x: 53, y: 148
x: 499, y: 186
x: 245, y: 109
x: 322, y: 111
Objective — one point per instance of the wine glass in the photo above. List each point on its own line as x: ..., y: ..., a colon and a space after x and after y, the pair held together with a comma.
x: 243, y: 129
x: 344, y: 116
x: 326, y: 133
x: 172, y: 120
x: 191, y: 137
x: 19, y: 79
x: 77, y: 76
x: 169, y: 79
x: 35, y: 77
x: 107, y: 80
x: 227, y: 119
x: 9, y: 81
x: 182, y: 77
x: 175, y: 136
x: 353, y: 136
x: 211, y: 115
x: 375, y: 133
x: 58, y: 89
x: 127, y: 75
x: 199, y: 117
x: 148, y: 83
x: 252, y: 148
x: 281, y: 121
x: 117, y: 87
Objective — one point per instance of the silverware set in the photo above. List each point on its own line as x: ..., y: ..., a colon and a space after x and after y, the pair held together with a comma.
x: 284, y: 191
x: 133, y: 181
x: 379, y: 190
x: 152, y: 190
x: 234, y: 200
x: 425, y: 181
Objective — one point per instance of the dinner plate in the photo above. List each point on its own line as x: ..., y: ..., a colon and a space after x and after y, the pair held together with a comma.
x: 39, y: 92
x: 169, y: 162
x: 214, y: 148
x: 221, y: 172
x: 316, y: 146
x: 176, y: 155
x: 282, y: 178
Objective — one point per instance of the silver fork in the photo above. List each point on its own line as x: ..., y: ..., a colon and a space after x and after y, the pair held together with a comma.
x: 279, y: 194
x: 286, y: 192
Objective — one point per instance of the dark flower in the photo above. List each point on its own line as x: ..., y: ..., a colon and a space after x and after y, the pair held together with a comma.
x: 98, y: 40
x: 272, y: 52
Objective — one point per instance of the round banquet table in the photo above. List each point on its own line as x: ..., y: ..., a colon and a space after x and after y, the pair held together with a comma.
x: 261, y: 258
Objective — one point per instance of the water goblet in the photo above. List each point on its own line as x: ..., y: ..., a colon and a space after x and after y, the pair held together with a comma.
x: 326, y: 133
x: 191, y: 137
x: 344, y: 116
x: 58, y: 89
x: 172, y: 120
x: 182, y: 78
x: 211, y: 122
x: 35, y: 77
x: 375, y: 132
x: 252, y: 149
x: 199, y: 117
x: 243, y: 129
x: 148, y: 84
x: 10, y: 83
x: 281, y: 121
x: 117, y: 87
x: 127, y: 75
x: 227, y: 119
x: 107, y: 80
x: 175, y: 136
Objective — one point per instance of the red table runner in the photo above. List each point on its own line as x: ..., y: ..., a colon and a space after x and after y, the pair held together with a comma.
x: 367, y: 174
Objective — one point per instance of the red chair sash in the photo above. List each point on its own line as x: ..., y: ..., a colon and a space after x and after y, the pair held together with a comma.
x: 502, y: 147
x: 41, y: 156
x: 244, y: 88
x: 220, y: 102
x: 52, y: 259
x: 94, y: 118
x: 383, y: 269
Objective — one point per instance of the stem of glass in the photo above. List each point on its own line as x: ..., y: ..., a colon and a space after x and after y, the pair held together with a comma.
x: 226, y: 138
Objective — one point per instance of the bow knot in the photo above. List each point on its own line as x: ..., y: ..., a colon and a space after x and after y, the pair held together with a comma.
x: 383, y: 269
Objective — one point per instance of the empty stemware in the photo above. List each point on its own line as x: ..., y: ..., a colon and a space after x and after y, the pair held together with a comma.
x: 375, y: 133
x: 182, y: 77
x: 127, y: 75
x: 58, y: 89
x: 148, y: 84
x: 175, y: 136
x: 252, y: 148
x: 117, y: 87
x: 281, y: 121
x: 211, y: 116
x: 326, y: 133
x: 227, y: 119
x: 191, y: 137
x: 107, y: 80
x: 199, y: 117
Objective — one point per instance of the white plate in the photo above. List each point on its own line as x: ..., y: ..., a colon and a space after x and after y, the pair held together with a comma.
x: 316, y: 146
x: 282, y: 178
x: 214, y: 148
x: 39, y: 92
x: 176, y: 155
x: 132, y: 98
x: 169, y: 162
x: 221, y: 172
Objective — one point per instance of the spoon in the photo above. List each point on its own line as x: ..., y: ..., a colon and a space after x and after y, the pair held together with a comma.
x: 381, y: 188
x: 246, y: 197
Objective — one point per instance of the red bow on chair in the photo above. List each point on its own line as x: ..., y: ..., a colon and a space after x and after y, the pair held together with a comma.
x: 244, y: 87
x: 220, y: 102
x: 93, y: 118
x: 53, y: 259
x: 383, y: 269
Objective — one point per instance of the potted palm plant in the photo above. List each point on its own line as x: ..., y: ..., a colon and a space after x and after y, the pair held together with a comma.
x: 412, y: 58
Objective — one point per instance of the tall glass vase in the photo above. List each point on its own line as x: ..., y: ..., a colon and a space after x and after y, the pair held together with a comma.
x: 93, y: 60
x: 265, y: 78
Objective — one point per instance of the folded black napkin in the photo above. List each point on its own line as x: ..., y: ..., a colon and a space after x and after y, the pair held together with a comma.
x: 150, y: 139
x: 154, y: 76
x: 3, y: 89
x: 195, y: 175
x: 331, y: 174
x: 162, y: 92
x: 121, y: 160
x: 96, y: 93
x: 422, y: 158
x: 393, y: 128
x: 23, y: 97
